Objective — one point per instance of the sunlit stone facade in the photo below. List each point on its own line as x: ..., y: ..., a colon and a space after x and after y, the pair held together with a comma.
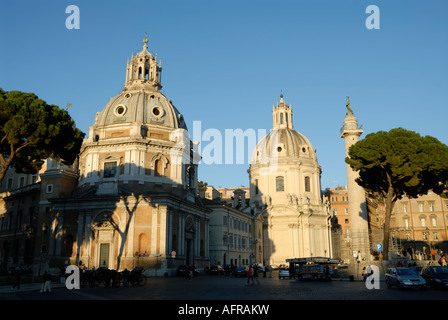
x: 135, y: 202
x: 285, y: 189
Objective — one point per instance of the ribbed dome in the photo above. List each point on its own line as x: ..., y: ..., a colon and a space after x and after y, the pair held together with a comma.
x: 283, y: 143
x: 142, y: 106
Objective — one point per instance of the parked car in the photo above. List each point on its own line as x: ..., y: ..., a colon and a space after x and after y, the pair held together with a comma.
x: 283, y: 273
x: 241, y: 271
x: 404, y: 278
x: 216, y: 269
x: 436, y: 276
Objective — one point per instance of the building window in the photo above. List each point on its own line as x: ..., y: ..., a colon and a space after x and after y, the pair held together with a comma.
x: 406, y: 223
x: 279, y: 184
x: 423, y: 221
x: 49, y: 188
x: 435, y: 236
x: 405, y: 208
x: 420, y: 206
x: 110, y: 169
x: 256, y: 186
x: 433, y: 221
x: 21, y: 182
x: 9, y: 184
x: 346, y: 210
x: 307, y: 184
x: 431, y: 206
x: 334, y: 199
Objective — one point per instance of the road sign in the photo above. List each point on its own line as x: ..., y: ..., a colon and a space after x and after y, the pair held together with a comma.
x: 173, y: 254
x: 379, y: 246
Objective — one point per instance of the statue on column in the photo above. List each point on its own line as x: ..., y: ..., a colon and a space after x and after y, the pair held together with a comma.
x: 349, y: 109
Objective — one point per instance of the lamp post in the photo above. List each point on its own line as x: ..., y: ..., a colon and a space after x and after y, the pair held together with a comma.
x: 42, y: 246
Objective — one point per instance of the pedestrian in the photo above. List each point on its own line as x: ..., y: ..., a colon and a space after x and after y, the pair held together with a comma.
x: 17, y: 276
x: 250, y: 275
x: 46, y: 283
x: 256, y: 275
x: 364, y: 274
x: 433, y: 254
x: 190, y: 272
x: 442, y: 261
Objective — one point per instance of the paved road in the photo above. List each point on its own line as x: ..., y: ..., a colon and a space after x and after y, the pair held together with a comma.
x: 230, y: 288
x: 282, y: 296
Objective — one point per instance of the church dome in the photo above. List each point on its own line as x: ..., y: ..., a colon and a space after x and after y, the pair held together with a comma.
x: 142, y: 101
x: 141, y: 106
x: 283, y: 143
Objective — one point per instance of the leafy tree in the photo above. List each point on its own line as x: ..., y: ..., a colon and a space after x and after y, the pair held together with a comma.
x: 32, y: 131
x: 396, y: 163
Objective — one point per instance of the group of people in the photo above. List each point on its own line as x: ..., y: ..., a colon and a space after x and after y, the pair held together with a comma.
x: 252, y: 275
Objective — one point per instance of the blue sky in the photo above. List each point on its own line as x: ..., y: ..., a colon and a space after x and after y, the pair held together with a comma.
x: 225, y: 64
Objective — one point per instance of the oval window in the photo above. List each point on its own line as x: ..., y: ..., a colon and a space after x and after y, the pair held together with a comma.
x: 120, y: 110
x: 157, y: 111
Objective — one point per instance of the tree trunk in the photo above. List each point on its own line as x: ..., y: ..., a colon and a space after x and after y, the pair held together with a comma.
x: 4, y: 165
x: 389, y: 207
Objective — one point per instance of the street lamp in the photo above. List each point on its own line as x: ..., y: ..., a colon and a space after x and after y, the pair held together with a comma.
x: 42, y: 246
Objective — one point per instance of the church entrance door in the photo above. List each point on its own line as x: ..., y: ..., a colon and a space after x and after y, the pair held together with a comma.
x: 104, y: 255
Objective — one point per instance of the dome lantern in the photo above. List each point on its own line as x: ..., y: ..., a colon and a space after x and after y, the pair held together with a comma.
x: 144, y: 70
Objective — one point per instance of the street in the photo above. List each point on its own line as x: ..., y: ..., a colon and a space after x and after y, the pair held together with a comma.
x: 206, y: 287
x: 176, y: 294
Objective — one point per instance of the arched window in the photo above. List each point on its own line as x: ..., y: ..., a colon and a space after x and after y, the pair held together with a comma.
x: 307, y: 184
x: 158, y: 168
x: 142, y: 244
x: 279, y: 184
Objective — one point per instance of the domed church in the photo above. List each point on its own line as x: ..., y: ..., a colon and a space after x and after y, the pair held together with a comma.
x: 135, y: 197
x: 285, y: 190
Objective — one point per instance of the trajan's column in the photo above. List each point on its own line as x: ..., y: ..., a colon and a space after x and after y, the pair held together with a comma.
x: 357, y: 198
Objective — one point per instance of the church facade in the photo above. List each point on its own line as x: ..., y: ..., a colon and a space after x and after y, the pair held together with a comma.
x: 135, y: 201
x: 285, y: 189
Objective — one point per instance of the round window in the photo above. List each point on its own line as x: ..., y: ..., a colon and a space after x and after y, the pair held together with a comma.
x: 120, y: 110
x: 158, y: 112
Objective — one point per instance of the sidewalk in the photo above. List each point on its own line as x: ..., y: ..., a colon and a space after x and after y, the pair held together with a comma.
x: 29, y: 287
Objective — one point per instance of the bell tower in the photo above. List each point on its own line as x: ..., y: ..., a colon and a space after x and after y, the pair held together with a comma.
x: 144, y: 69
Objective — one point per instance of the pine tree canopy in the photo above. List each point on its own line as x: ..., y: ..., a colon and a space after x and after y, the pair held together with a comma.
x: 32, y: 130
x: 404, y: 160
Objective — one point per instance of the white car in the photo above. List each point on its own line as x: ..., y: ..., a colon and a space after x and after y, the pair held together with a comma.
x: 283, y: 273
